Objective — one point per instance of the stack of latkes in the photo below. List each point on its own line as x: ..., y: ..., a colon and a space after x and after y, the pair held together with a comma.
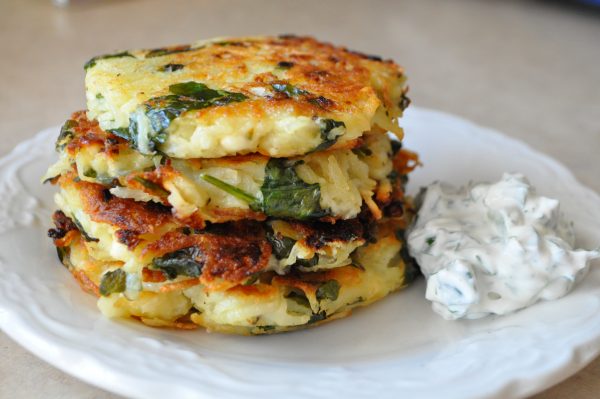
x: 246, y: 185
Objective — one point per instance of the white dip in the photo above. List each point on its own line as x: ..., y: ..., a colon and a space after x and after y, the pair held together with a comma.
x: 493, y: 248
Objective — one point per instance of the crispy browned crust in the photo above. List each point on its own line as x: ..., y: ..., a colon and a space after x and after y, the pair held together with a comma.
x: 406, y: 161
x: 125, y: 214
x: 335, y: 76
x: 233, y: 256
x: 88, y: 133
x: 85, y: 283
x: 153, y: 276
x: 63, y: 224
x: 310, y: 282
x: 231, y: 252
x: 306, y: 282
x: 396, y: 205
x: 220, y: 215
x: 319, y: 234
x: 128, y: 237
x: 64, y: 231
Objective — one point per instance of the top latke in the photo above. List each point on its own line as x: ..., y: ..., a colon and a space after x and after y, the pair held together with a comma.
x: 279, y: 96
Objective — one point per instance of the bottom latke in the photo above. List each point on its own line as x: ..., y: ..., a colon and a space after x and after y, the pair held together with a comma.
x: 273, y: 303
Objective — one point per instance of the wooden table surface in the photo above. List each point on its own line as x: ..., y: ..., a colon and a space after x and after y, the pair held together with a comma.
x: 527, y: 68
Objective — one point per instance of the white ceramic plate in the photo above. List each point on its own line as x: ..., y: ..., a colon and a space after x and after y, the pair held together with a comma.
x: 395, y: 348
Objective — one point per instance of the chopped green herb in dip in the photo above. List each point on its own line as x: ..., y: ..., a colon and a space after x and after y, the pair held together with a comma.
x: 494, y: 248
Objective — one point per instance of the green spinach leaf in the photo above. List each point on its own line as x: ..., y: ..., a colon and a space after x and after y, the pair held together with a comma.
x: 171, y: 67
x: 396, y: 146
x: 63, y: 255
x: 315, y: 317
x: 66, y: 134
x: 148, y: 124
x: 331, y: 130
x: 183, y: 262
x: 85, y: 235
x: 150, y: 185
x: 281, y: 245
x: 113, y: 281
x: 122, y: 132
x: 266, y: 327
x: 307, y: 263
x: 102, y: 179
x: 92, y: 63
x: 225, y: 43
x: 286, y: 195
x: 228, y: 188
x: 328, y: 290
x: 254, y: 277
x: 91, y: 173
x: 289, y: 90
x: 299, y: 298
x: 362, y: 151
x: 159, y: 52
x: 404, y: 102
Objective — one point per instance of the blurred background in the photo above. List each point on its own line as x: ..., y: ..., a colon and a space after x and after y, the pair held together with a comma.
x: 528, y: 68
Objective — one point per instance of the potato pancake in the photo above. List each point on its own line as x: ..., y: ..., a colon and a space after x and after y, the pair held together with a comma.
x: 330, y: 184
x: 266, y: 303
x: 279, y: 96
x: 140, y: 234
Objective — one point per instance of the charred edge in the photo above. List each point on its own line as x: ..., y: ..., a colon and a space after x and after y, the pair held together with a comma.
x: 243, y: 228
x: 404, y: 102
x: 106, y: 195
x: 64, y: 254
x: 51, y: 180
x: 231, y: 43
x: 157, y: 207
x: 63, y: 225
x: 369, y: 224
x: 366, y: 56
x: 321, y: 234
x: 322, y: 102
x: 394, y: 209
x: 237, y: 254
x: 316, y: 317
x: 158, y: 52
x: 128, y: 237
x: 285, y: 64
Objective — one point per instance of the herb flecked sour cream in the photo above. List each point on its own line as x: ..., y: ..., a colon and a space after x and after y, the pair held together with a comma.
x: 493, y: 248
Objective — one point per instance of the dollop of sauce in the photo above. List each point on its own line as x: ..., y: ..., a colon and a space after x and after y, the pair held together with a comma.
x: 493, y: 248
